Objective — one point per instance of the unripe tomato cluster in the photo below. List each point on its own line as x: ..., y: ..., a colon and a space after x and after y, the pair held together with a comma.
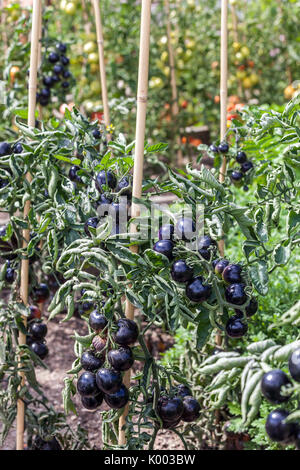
x: 180, y: 406
x: 244, y: 66
x: 55, y: 74
x: 275, y: 386
x: 102, y: 376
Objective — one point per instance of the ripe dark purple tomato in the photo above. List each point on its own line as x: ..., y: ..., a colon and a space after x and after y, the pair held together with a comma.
x: 181, y: 272
x: 223, y: 147
x: 232, y: 274
x: 250, y: 310
x: 105, y: 178
x: 66, y: 74
x: 87, y: 385
x: 183, y: 391
x: 96, y: 133
x: 55, y: 78
x: 53, y: 57
x: 118, y: 399
x: 196, y: 291
x: 40, y: 349
x: 40, y: 444
x: 236, y: 327
x: 206, y: 247
x: 164, y: 247
x: 166, y: 232
x: 92, y: 403
x: 10, y: 275
x: 91, y: 362
x: 64, y: 60
x: 122, y: 184
x: 170, y: 409
x: 73, y: 174
x: 38, y: 330
x: 191, y: 409
x: 271, y: 384
x: 108, y: 380
x: 97, y: 321
x: 41, y: 293
x: 45, y: 92
x: 120, y: 359
x: 65, y: 84
x: 18, y: 148
x: 220, y: 266
x: 246, y: 166
x: 5, y: 149
x: 294, y: 365
x: 276, y: 427
x: 235, y: 294
x: 91, y: 222
x: 213, y: 148
x: 35, y: 313
x: 61, y: 47
x: 236, y: 177
x: 127, y: 332
x: 185, y: 229
x: 241, y: 157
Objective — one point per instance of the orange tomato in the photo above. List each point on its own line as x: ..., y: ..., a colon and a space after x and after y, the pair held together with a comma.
x: 184, y: 104
x: 251, y: 63
x: 14, y: 71
x: 217, y: 99
x: 230, y: 107
x: 183, y: 140
x: 194, y: 141
x: 233, y: 99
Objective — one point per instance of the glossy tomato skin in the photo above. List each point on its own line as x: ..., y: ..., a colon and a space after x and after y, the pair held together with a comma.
x: 122, y: 184
x: 62, y: 47
x: 170, y: 409
x: 53, y: 57
x: 241, y: 157
x: 108, y: 380
x: 276, y: 428
x: 185, y: 229
x: 96, y: 134
x: 196, y: 291
x: 181, y: 272
x: 35, y: 313
x: 235, y: 294
x: 220, y: 266
x: 232, y: 274
x: 118, y: 399
x: 236, y: 176
x: 246, y: 166
x: 223, y: 147
x: 92, y: 403
x: 164, y: 247
x: 73, y: 174
x: 5, y: 149
x: 91, y: 362
x: 18, y: 148
x: 271, y: 384
x: 91, y: 222
x: 97, y: 321
x: 191, y: 409
x: 166, y: 232
x: 87, y: 385
x: 294, y: 365
x: 127, y: 332
x: 183, y: 391
x: 40, y: 349
x: 121, y: 359
x: 236, y: 327
x: 38, y: 330
x: 106, y: 179
x: 213, y: 148
x: 65, y: 60
x: 206, y: 247
x: 251, y: 308
x: 10, y: 275
x: 41, y: 293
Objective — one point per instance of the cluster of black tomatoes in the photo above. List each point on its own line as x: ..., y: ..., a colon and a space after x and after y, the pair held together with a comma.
x: 36, y: 333
x: 237, y: 176
x: 98, y: 382
x: 60, y: 74
x: 5, y: 150
x: 272, y: 385
x: 182, y: 406
x: 196, y: 289
x: 106, y: 180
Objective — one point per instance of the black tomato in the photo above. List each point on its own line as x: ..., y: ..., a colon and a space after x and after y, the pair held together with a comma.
x: 105, y: 178
x: 121, y: 359
x: 92, y: 403
x: 181, y: 272
x: 61, y: 47
x: 73, y: 174
x: 184, y: 391
x: 185, y: 229
x: 97, y: 321
x: 41, y: 293
x: 96, y: 134
x: 122, y: 184
x: 91, y: 222
x: 294, y: 365
x: 213, y: 148
x: 127, y: 332
x: 246, y: 166
x: 170, y: 409
x: 232, y: 274
x: 235, y: 294
x: 66, y: 74
x: 38, y: 330
x: 196, y: 291
x: 235, y: 327
x: 5, y: 149
x: 90, y: 362
x: 166, y: 232
x: 18, y: 148
x: 276, y: 427
x: 271, y: 384
x: 118, y: 399
x: 45, y: 92
x: 220, y: 266
x: 251, y: 308
x: 65, y: 60
x: 65, y: 84
x: 87, y: 385
x: 241, y: 157
x: 108, y: 380
x: 236, y: 176
x: 223, y: 147
x: 53, y: 57
x: 191, y: 409
x: 206, y: 247
x: 164, y: 247
x: 10, y: 275
x: 40, y: 349
x: 35, y: 313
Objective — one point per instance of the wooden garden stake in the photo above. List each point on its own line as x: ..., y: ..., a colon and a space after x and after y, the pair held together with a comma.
x: 175, y: 108
x: 142, y: 93
x: 36, y: 14
x: 101, y: 61
x: 223, y: 106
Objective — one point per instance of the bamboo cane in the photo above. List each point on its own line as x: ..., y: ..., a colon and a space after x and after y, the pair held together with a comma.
x: 175, y: 108
x: 36, y: 13
x: 236, y: 39
x: 223, y: 106
x: 101, y: 62
x: 139, y: 157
